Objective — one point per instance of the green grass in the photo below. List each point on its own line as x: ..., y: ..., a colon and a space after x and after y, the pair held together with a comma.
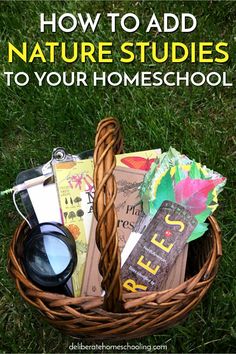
x: 197, y: 121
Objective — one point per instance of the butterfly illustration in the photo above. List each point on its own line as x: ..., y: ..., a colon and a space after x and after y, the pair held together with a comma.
x: 76, y: 181
x: 138, y: 163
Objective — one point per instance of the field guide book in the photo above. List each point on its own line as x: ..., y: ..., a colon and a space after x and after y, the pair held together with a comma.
x: 75, y: 188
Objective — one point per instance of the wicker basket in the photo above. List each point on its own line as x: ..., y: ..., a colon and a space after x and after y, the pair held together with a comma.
x: 117, y: 315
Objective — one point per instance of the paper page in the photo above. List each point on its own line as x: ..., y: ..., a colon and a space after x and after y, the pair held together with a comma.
x: 132, y: 240
x: 45, y: 202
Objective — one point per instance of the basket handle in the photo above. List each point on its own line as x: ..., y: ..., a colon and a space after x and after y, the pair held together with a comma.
x: 108, y: 143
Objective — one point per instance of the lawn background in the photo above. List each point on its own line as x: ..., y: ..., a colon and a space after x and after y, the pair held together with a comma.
x: 197, y: 121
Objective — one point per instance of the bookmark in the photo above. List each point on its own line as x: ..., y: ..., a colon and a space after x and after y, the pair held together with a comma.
x: 149, y: 261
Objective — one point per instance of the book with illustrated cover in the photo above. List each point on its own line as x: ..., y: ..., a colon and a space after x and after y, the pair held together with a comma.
x: 76, y: 192
x: 146, y: 264
x: 128, y: 211
x: 176, y: 274
x: 74, y: 182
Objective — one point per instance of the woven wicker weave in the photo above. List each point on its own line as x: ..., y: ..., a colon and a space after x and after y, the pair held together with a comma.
x: 118, y: 315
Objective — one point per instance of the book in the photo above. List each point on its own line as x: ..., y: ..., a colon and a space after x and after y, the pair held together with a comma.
x: 75, y: 189
x: 129, y: 211
x: 146, y: 264
x: 74, y: 182
x: 176, y: 274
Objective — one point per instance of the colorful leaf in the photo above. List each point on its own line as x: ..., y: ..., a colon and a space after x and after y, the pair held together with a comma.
x: 201, y: 217
x: 199, y: 230
x: 148, y: 178
x: 165, y: 191
x: 193, y: 193
x: 194, y: 172
x: 179, y: 174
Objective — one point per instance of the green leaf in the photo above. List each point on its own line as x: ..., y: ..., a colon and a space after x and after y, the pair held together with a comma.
x: 203, y: 216
x: 199, y: 230
x: 179, y: 174
x: 165, y: 191
x: 145, y: 200
x: 148, y: 179
x: 194, y: 172
x: 204, y: 176
x: 209, y: 198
